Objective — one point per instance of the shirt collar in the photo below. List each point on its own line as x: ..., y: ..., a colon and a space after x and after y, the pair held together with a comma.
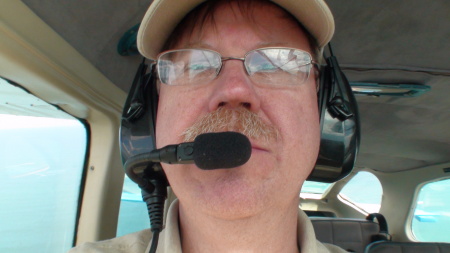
x: 169, y: 240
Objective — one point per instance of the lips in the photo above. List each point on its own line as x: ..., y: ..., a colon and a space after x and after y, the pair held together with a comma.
x: 257, y: 147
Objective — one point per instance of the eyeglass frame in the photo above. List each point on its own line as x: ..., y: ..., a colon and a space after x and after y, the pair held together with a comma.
x: 223, y: 59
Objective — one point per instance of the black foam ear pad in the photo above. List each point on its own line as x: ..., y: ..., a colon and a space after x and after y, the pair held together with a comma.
x: 339, y: 123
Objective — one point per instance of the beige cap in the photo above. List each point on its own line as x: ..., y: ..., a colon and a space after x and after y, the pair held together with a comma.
x: 164, y: 15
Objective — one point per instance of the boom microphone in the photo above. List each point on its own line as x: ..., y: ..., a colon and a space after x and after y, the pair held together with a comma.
x: 208, y: 151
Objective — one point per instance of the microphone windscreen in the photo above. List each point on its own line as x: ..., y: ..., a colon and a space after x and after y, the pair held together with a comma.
x: 221, y: 150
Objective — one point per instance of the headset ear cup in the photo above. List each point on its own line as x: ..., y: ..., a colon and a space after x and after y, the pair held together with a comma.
x: 339, y: 124
x: 137, y: 130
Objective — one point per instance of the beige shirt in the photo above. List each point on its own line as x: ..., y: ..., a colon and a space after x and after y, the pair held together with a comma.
x: 169, y: 239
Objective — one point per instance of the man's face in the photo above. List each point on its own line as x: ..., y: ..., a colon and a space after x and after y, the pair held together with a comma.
x: 273, y: 176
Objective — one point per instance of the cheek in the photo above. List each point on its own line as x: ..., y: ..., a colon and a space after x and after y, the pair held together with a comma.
x: 169, y: 120
x: 297, y: 118
x: 308, y: 120
x: 303, y: 127
x: 177, y: 110
x: 297, y: 112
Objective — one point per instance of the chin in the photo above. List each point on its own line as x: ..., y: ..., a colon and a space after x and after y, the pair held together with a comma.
x: 233, y: 199
x: 229, y: 194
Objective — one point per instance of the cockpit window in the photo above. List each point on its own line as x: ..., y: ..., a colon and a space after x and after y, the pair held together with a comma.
x: 363, y: 192
x: 133, y: 214
x: 314, y: 190
x: 431, y: 219
x: 43, y: 155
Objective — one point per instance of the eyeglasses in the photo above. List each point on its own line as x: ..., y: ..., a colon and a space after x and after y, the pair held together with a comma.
x: 268, y: 66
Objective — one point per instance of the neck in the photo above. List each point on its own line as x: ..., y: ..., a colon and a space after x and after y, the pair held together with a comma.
x: 274, y: 230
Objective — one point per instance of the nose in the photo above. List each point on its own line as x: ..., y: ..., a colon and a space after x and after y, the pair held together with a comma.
x: 233, y: 88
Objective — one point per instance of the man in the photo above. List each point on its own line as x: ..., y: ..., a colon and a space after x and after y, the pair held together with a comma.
x: 270, y: 96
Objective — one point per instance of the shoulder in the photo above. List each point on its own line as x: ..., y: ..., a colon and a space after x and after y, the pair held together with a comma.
x: 328, y: 248
x: 130, y: 243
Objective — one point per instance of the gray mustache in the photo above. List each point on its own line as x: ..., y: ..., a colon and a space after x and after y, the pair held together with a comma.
x: 239, y: 120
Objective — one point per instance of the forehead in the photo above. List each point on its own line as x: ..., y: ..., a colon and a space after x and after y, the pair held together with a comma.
x: 215, y: 18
